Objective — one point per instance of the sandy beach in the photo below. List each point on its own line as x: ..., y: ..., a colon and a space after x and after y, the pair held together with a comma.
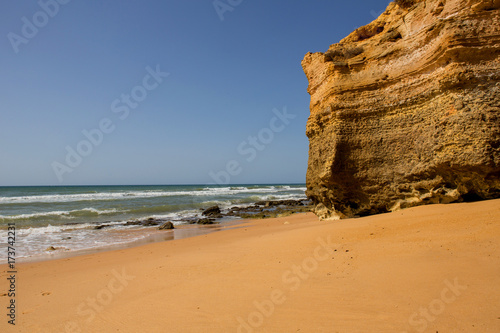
x: 425, y: 269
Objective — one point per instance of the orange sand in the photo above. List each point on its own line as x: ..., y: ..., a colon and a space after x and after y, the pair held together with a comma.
x: 426, y: 269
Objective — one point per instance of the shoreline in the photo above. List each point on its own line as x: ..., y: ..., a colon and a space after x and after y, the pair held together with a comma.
x: 208, y: 220
x: 82, y: 219
x: 381, y: 273
x: 150, y: 236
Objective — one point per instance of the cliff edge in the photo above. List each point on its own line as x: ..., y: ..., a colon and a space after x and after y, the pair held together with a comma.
x: 406, y: 110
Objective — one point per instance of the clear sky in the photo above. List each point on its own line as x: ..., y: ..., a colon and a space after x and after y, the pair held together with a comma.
x: 161, y: 91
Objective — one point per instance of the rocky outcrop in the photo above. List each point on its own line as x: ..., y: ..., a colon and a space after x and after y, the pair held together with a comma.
x: 406, y: 110
x: 213, y: 211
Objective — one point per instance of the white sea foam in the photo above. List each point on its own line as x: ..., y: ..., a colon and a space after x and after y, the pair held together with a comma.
x: 60, y: 213
x: 34, y: 215
x: 81, y: 197
x: 284, y: 197
x: 34, y: 241
x: 209, y: 191
x: 175, y: 217
x: 50, y: 229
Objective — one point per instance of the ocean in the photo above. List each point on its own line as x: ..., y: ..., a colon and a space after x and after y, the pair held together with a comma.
x: 65, y: 217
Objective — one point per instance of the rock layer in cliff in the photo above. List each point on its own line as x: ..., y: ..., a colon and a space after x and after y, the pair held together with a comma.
x: 406, y: 110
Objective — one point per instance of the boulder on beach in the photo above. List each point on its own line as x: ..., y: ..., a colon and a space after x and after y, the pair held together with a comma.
x: 166, y: 226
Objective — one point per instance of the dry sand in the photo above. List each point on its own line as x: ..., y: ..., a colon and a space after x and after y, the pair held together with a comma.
x: 425, y: 269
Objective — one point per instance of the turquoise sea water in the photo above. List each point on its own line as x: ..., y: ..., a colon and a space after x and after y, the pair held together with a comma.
x: 65, y: 217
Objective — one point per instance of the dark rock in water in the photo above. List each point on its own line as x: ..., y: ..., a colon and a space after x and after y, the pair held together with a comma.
x: 52, y: 248
x: 213, y: 211
x: 262, y: 209
x: 255, y: 216
x: 271, y: 208
x: 133, y: 223
x: 102, y: 226
x: 166, y: 226
x: 150, y: 222
x: 273, y: 203
x: 190, y: 220
x: 206, y: 221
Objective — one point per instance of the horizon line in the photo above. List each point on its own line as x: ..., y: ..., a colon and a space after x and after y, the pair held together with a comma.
x: 192, y: 184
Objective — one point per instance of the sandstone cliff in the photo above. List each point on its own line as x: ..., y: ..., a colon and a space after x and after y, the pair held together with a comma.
x: 406, y: 110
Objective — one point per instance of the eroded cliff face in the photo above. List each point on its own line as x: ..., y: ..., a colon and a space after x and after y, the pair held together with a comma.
x: 406, y: 110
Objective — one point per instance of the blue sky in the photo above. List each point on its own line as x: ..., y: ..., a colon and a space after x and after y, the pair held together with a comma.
x: 167, y: 91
